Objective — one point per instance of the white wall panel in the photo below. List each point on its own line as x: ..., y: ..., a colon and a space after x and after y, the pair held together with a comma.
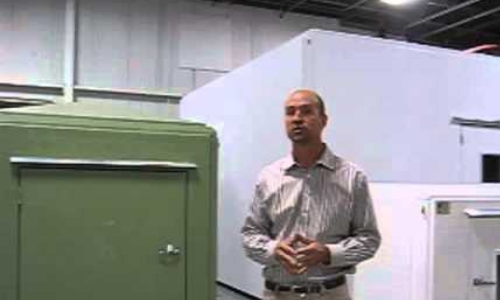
x: 241, y: 36
x: 144, y: 43
x: 31, y: 41
x: 202, y: 78
x: 6, y: 35
x: 416, y: 89
x: 389, y: 110
x: 481, y: 73
x: 139, y: 44
x: 129, y: 44
x: 166, y: 110
x: 170, y: 76
x: 205, y: 42
x: 149, y: 44
x: 103, y: 43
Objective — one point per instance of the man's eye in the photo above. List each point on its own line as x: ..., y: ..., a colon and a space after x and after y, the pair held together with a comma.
x: 289, y: 112
x: 306, y: 110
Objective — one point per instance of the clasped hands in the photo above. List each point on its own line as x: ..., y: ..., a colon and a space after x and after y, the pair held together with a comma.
x: 298, y: 253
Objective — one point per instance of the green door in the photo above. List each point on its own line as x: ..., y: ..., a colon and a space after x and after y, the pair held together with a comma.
x: 102, y: 235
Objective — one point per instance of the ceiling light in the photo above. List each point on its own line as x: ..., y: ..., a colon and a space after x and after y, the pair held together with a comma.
x: 398, y: 2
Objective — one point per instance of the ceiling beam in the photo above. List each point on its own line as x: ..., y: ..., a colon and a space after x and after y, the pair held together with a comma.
x: 355, y: 5
x: 442, y: 13
x: 461, y: 22
x: 479, y: 28
x: 368, y: 20
x: 290, y: 8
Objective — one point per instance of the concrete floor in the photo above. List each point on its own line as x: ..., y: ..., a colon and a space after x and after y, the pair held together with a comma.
x: 226, y: 294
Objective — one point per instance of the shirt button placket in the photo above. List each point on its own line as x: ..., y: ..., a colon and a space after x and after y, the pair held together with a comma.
x: 307, y: 200
x: 302, y: 218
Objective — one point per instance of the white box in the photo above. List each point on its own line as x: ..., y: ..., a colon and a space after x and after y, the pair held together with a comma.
x: 389, y: 103
x: 432, y: 249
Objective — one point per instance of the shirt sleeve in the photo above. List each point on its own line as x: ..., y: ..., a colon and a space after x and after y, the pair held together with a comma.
x: 364, y: 239
x: 256, y: 231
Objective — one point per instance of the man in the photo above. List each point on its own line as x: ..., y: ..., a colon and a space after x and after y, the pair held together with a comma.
x: 311, y: 220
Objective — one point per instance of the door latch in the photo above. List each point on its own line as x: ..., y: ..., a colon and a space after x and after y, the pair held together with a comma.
x: 169, y: 250
x: 481, y: 281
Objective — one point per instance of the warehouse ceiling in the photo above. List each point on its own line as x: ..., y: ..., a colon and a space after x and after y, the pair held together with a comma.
x: 458, y: 24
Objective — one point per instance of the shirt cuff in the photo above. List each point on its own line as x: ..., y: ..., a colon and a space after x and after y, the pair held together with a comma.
x: 337, y: 257
x: 270, y: 248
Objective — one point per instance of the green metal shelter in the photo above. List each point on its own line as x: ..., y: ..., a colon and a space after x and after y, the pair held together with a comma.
x: 103, y: 203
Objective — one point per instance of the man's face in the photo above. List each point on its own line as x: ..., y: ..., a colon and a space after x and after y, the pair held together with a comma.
x: 303, y: 120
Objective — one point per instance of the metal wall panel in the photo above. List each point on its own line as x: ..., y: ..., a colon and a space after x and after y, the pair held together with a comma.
x: 104, y: 40
x: 168, y: 109
x: 158, y: 45
x: 31, y: 41
x: 152, y: 46
x: 205, y: 42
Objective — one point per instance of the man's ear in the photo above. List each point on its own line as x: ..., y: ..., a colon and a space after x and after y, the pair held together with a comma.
x: 325, y: 120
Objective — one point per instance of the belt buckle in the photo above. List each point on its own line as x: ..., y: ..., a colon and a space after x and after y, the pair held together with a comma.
x: 301, y: 290
x: 295, y: 288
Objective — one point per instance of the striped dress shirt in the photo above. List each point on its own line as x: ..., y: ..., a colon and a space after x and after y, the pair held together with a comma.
x: 329, y: 202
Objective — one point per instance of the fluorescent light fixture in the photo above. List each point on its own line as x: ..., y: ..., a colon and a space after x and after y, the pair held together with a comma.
x: 398, y: 2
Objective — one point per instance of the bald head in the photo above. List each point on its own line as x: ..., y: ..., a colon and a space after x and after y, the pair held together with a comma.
x: 305, y: 117
x: 313, y: 95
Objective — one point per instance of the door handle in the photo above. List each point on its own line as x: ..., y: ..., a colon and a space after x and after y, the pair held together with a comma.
x: 480, y: 281
x: 169, y: 250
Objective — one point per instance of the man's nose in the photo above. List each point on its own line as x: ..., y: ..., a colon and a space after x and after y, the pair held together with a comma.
x: 297, y: 118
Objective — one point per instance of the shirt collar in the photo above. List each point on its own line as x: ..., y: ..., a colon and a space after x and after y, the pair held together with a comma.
x: 326, y: 160
x: 288, y: 162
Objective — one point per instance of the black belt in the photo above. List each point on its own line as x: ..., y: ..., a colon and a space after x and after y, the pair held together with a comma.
x: 306, y: 288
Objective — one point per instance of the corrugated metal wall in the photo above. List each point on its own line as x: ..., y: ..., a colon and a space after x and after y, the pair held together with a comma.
x: 31, y: 41
x: 149, y: 45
